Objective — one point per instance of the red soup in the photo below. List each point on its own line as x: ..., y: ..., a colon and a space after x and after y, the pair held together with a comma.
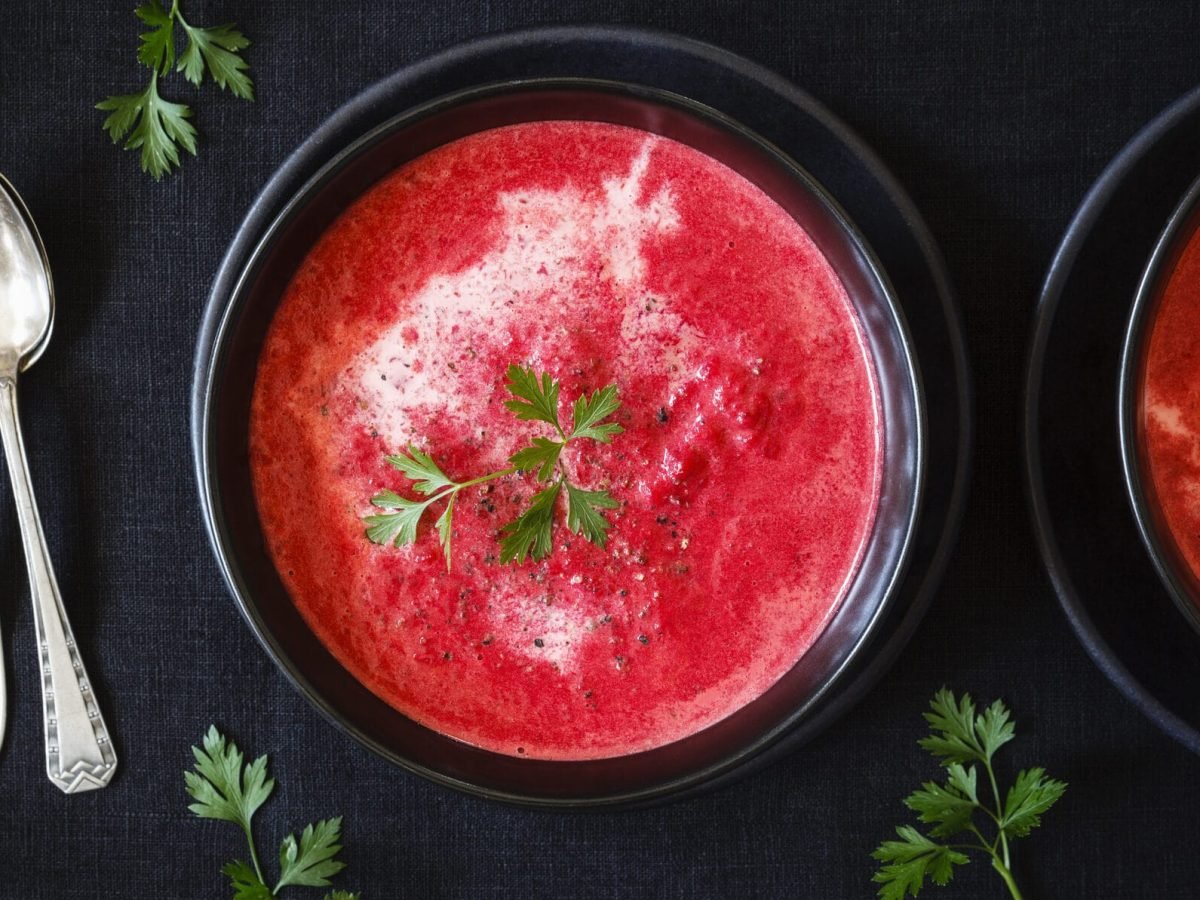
x: 747, y: 476
x: 1170, y: 406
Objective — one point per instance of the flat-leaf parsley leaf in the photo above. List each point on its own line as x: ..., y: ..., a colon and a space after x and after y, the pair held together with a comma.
x: 217, y: 50
x: 530, y: 534
x: 584, y: 516
x: 589, y: 413
x: 535, y: 402
x: 157, y: 50
x: 310, y: 861
x: 160, y: 127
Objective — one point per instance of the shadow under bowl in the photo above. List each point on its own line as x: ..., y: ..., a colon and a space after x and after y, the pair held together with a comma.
x: 1153, y: 526
x: 226, y: 376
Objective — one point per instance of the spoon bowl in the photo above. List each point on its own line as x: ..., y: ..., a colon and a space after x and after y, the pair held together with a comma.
x: 27, y: 311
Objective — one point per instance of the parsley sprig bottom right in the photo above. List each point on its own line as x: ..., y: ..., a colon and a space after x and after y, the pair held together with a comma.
x: 964, y: 742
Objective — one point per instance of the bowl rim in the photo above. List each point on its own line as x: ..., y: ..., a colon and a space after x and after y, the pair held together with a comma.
x: 214, y: 336
x: 1180, y: 229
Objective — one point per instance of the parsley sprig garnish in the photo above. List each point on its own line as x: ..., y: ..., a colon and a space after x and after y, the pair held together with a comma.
x: 961, y: 740
x: 159, y: 127
x: 535, y: 399
x: 226, y: 788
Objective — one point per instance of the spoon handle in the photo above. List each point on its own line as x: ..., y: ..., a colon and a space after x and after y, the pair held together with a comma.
x: 79, y: 754
x: 3, y: 698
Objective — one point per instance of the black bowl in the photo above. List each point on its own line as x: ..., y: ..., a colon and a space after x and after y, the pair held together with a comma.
x: 1181, y: 583
x: 226, y: 373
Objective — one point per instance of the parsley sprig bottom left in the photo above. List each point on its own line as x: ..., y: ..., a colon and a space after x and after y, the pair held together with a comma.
x: 531, y: 534
x: 226, y: 788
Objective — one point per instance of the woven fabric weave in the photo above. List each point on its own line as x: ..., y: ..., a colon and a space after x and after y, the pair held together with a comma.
x: 995, y: 116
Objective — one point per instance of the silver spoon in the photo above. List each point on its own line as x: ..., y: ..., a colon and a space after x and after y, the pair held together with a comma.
x: 79, y: 754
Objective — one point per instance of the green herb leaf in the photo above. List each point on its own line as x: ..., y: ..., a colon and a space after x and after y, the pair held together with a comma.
x: 912, y: 859
x: 943, y: 807
x: 954, y: 724
x: 221, y: 787
x: 311, y: 861
x: 427, y: 477
x: 530, y: 534
x: 217, y: 47
x: 963, y: 736
x: 584, y: 516
x: 542, y: 455
x: 603, y: 433
x: 125, y: 111
x: 535, y: 402
x: 1030, y: 796
x: 160, y: 127
x: 245, y: 882
x: 994, y: 728
x: 342, y: 895
x: 157, y: 50
x: 444, y: 527
x: 964, y: 781
x: 589, y: 412
x: 399, y: 526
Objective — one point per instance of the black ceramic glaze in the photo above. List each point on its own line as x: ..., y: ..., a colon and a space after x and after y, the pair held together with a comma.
x: 807, y: 697
x: 1164, y: 551
x: 1087, y: 534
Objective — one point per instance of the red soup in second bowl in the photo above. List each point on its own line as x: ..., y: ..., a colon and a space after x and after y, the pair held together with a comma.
x: 1169, y: 408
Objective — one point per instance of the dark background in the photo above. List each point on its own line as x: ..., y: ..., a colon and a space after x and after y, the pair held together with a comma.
x: 995, y: 115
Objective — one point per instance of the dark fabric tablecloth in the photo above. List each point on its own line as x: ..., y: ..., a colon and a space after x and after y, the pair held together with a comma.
x: 996, y: 116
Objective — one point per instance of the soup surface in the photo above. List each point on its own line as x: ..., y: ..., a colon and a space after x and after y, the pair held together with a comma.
x: 1170, y: 405
x: 747, y: 475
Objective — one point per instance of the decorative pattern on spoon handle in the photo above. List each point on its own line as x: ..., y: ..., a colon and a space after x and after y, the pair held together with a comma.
x: 79, y: 752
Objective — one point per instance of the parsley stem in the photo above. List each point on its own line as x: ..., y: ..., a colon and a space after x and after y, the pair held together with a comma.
x: 990, y: 849
x: 482, y: 478
x: 987, y: 764
x: 178, y: 16
x: 253, y: 851
x: 999, y: 865
x: 458, y: 486
x: 1008, y: 878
